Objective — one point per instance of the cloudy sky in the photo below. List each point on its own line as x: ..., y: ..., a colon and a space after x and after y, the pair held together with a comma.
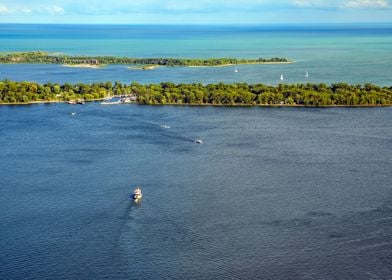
x: 194, y: 11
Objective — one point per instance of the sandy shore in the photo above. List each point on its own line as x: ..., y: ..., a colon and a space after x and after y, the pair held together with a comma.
x: 83, y: 66
x: 145, y: 67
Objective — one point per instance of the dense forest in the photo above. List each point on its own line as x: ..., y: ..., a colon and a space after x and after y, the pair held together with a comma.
x: 199, y: 94
x: 48, y: 58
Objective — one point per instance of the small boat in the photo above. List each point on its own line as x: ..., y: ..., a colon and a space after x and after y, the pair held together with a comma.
x: 137, y: 194
x: 73, y: 113
x: 122, y: 100
x: 126, y: 100
x: 236, y: 69
x: 306, y: 74
x: 165, y: 126
x: 198, y: 141
x: 281, y: 77
x: 111, y: 102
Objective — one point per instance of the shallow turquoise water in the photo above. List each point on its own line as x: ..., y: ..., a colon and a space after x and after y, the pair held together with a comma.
x: 334, y: 53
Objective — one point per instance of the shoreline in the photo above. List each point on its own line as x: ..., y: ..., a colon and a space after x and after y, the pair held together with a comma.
x: 89, y: 61
x: 197, y: 94
x: 155, y: 66
x: 237, y: 64
x: 83, y: 65
x: 208, y: 105
x: 146, y: 67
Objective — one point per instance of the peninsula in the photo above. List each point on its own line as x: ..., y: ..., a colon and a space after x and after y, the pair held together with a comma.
x: 39, y: 57
x: 240, y: 94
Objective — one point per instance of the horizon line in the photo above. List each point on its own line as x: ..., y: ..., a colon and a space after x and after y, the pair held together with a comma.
x: 203, y: 24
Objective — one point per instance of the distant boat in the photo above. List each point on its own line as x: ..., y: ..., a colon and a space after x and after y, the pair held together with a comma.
x: 306, y: 74
x: 281, y: 77
x: 137, y: 194
x: 111, y: 102
x: 165, y: 126
x: 236, y: 69
x: 122, y: 100
x: 73, y: 113
x: 199, y: 141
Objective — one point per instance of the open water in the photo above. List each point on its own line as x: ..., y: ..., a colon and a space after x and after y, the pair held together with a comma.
x: 352, y: 53
x: 273, y: 193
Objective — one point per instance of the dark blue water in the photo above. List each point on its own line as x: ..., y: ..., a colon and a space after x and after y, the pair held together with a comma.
x: 352, y: 53
x: 285, y: 193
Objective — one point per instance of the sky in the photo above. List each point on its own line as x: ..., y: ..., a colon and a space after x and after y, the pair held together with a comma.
x: 194, y: 11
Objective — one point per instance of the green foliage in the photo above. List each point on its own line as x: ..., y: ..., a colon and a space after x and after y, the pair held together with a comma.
x: 48, y: 58
x: 199, y: 94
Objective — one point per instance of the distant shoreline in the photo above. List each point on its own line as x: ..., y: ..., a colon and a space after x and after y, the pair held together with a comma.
x: 243, y: 63
x: 41, y: 57
x: 143, y: 67
x: 153, y: 67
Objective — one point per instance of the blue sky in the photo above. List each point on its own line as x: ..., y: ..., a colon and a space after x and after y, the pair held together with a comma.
x: 194, y: 11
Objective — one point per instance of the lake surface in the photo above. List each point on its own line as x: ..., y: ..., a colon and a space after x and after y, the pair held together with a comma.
x: 352, y: 53
x: 273, y: 193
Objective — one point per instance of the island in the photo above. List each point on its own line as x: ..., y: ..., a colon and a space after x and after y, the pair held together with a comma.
x: 40, y: 57
x: 220, y: 94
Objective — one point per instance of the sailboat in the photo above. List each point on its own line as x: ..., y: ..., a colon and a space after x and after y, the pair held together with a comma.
x: 236, y: 69
x: 281, y: 77
x: 306, y: 74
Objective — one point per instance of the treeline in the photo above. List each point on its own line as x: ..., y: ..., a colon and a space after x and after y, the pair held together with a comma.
x: 47, y: 58
x: 199, y: 94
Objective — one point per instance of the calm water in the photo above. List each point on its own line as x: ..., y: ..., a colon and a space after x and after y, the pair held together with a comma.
x: 330, y: 53
x: 271, y: 194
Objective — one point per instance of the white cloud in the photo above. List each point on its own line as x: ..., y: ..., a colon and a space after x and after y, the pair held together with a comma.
x: 366, y: 4
x: 342, y: 4
x: 54, y: 10
x: 4, y: 9
x: 27, y: 9
x: 309, y: 3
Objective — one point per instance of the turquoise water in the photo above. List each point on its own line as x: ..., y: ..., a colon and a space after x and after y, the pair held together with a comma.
x: 330, y: 53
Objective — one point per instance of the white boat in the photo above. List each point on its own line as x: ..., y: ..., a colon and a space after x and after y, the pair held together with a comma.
x: 198, y: 141
x: 236, y: 69
x: 137, y: 194
x: 73, y: 113
x: 165, y: 126
x: 281, y: 77
x: 306, y: 74
x: 111, y: 102
x: 122, y: 100
x: 126, y: 100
